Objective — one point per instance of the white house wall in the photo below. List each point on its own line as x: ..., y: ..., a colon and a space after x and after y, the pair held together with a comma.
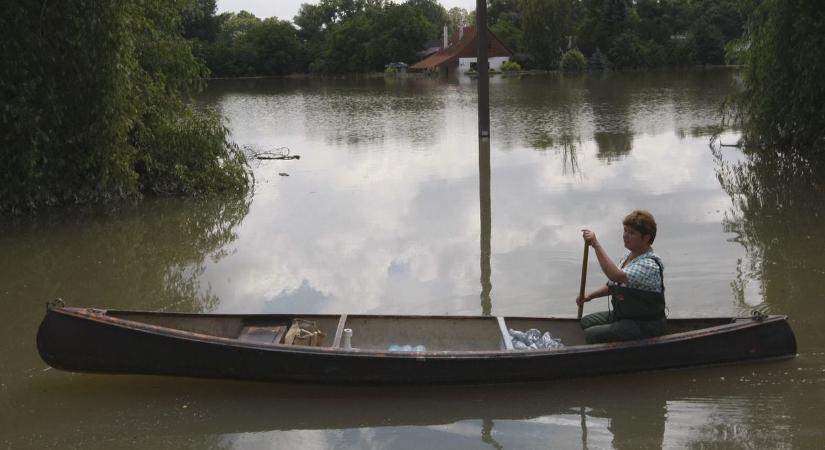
x: 495, y: 63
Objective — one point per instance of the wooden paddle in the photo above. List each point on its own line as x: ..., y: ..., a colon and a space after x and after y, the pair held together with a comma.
x: 584, y: 277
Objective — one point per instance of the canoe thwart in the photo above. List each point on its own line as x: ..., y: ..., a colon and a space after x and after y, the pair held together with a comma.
x: 505, y: 333
x: 339, y: 331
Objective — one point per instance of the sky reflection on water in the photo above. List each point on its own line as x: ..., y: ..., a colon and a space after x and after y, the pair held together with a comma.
x: 382, y: 215
x: 381, y: 212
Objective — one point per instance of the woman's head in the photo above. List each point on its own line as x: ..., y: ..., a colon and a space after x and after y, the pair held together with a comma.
x: 642, y: 222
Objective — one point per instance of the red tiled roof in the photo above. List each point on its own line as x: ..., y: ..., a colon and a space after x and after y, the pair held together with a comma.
x: 466, y: 47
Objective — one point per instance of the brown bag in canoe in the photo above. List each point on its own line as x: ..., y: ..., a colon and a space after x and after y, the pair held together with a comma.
x: 304, y: 332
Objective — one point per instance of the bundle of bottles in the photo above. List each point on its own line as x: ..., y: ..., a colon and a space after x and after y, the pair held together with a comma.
x: 407, y: 348
x: 533, y: 339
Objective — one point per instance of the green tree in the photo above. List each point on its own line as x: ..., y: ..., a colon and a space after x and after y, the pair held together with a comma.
x: 548, y: 27
x: 510, y: 35
x: 433, y: 13
x: 88, y: 96
x: 653, y: 22
x: 274, y: 47
x: 347, y: 47
x: 603, y: 21
x: 510, y: 66
x: 781, y: 106
x: 628, y: 52
x: 199, y: 21
x: 706, y: 43
x: 399, y: 33
x: 457, y: 17
x: 573, y: 61
x: 379, y: 35
x: 233, y: 26
x: 504, y: 10
x: 714, y: 24
x: 598, y: 61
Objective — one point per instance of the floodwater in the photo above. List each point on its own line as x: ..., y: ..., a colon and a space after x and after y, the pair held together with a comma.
x: 383, y: 213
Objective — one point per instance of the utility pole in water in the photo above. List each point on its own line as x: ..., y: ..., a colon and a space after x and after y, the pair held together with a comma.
x: 483, y: 65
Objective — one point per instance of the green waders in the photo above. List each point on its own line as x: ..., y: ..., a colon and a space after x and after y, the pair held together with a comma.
x: 603, y: 327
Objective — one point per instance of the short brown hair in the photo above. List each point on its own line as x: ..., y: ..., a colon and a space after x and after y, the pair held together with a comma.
x: 642, y: 221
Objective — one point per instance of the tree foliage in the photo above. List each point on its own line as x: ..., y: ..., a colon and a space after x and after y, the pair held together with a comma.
x: 777, y: 190
x: 457, y: 17
x: 548, y: 28
x: 573, y: 61
x: 633, y: 33
x: 95, y: 105
x: 510, y: 34
x: 510, y: 66
x: 504, y: 10
x: 332, y: 36
x: 781, y: 105
x: 368, y: 41
x: 432, y: 11
x: 636, y: 34
x: 272, y: 48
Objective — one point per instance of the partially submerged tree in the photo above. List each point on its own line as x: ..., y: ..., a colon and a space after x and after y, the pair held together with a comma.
x: 96, y: 106
x: 781, y: 105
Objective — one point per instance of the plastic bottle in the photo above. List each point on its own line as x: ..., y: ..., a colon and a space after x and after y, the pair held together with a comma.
x: 395, y: 348
x: 420, y: 348
x: 348, y: 338
x: 407, y: 348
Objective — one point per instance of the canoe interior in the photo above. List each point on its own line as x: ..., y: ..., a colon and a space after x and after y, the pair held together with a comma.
x: 434, y: 333
x: 377, y: 333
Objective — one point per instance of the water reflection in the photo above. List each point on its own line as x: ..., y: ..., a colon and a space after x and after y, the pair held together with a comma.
x: 389, y: 210
x: 612, y: 119
x: 487, y: 434
x: 689, y: 409
x: 776, y: 215
x: 613, y: 146
x: 363, y: 114
x: 392, y: 226
x: 150, y: 256
x: 544, y: 113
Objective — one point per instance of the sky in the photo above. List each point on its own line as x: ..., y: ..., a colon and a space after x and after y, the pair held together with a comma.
x: 287, y: 9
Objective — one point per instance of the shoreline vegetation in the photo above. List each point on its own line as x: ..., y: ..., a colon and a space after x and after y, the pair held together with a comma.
x: 425, y: 75
x: 98, y: 102
x: 336, y: 37
x: 98, y: 108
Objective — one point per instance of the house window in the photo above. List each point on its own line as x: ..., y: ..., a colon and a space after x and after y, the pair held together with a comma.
x: 473, y: 66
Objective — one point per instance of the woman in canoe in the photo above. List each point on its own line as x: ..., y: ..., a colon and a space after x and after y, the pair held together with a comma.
x: 636, y: 286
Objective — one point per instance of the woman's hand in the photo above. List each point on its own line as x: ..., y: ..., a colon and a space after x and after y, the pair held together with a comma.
x: 590, y: 238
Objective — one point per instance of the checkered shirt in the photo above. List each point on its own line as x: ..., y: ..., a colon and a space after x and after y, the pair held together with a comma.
x: 643, y: 272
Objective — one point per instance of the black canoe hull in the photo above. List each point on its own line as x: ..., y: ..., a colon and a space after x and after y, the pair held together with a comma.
x: 76, y: 340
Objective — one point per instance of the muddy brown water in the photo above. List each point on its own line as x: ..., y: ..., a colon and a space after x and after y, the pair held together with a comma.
x: 383, y: 213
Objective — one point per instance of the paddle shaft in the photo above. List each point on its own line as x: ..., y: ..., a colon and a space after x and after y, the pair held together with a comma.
x: 584, y: 277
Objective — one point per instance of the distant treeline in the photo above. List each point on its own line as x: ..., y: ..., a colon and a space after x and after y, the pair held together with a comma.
x: 352, y: 36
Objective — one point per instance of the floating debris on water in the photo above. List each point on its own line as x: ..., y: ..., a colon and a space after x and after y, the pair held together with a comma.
x: 279, y: 153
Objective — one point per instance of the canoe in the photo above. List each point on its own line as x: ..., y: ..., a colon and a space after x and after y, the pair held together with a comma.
x: 456, y: 349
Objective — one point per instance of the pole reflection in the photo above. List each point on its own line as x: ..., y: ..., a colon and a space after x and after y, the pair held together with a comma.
x: 487, y: 434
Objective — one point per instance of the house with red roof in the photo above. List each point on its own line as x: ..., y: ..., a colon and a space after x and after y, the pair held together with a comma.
x: 460, y: 54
